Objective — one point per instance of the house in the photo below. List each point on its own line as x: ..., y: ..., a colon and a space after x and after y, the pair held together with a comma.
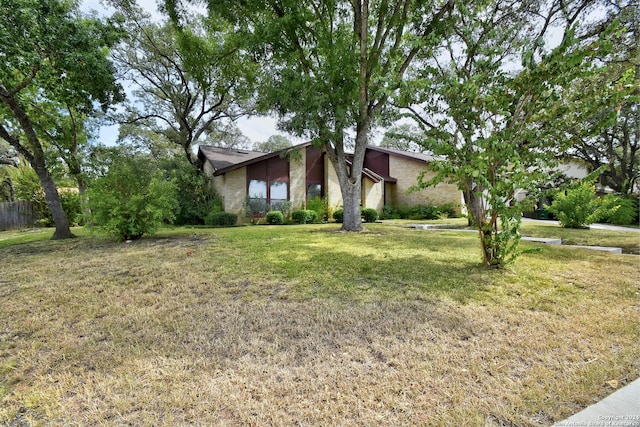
x: 296, y: 174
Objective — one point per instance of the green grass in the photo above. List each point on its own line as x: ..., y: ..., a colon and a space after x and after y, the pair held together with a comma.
x: 629, y: 241
x: 281, y: 325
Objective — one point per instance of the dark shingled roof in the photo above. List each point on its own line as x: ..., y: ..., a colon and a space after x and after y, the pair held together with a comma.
x: 221, y: 158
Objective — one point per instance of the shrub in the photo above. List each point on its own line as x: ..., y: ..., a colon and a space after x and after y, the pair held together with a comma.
x: 387, y: 212
x: 619, y: 210
x: 72, y: 206
x: 132, y: 198
x: 576, y: 207
x: 195, y: 197
x: 338, y: 215
x: 319, y: 206
x: 369, y: 214
x: 221, y: 219
x: 274, y: 217
x: 447, y: 210
x: 284, y: 207
x: 304, y: 216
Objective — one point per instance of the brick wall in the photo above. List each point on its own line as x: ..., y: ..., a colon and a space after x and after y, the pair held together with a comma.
x: 406, y: 171
x: 332, y: 185
x: 372, y: 194
x: 232, y: 187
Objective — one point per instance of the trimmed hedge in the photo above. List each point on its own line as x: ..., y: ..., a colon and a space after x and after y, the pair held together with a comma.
x: 304, y: 216
x: 338, y: 215
x: 369, y: 214
x: 419, y: 212
x: 274, y: 217
x: 221, y: 219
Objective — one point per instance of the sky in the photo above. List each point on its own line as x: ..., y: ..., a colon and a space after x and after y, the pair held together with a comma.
x: 257, y: 129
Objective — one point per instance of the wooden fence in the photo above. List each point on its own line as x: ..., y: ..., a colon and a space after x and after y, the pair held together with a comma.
x: 16, y: 215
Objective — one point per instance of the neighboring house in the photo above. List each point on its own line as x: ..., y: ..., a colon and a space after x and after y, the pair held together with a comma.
x: 299, y: 173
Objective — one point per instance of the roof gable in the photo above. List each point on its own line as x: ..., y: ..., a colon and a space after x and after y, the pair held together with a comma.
x: 420, y: 157
x: 224, y: 160
x: 221, y: 158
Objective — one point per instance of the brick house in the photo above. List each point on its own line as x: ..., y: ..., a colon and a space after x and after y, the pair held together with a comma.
x: 299, y: 173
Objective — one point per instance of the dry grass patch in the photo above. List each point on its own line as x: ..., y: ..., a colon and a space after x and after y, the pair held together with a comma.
x: 298, y: 326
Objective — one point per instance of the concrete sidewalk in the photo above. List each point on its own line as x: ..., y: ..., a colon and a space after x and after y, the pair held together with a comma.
x: 620, y: 409
x: 596, y: 226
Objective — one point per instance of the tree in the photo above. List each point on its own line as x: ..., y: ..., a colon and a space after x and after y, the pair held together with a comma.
x: 273, y: 143
x: 8, y: 159
x: 186, y: 96
x: 331, y: 66
x: 404, y: 137
x: 228, y: 136
x: 616, y: 144
x: 51, y: 54
x: 65, y: 132
x: 497, y: 126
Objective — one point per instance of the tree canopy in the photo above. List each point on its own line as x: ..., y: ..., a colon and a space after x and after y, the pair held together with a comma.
x: 51, y: 55
x: 273, y: 143
x: 186, y: 88
x: 493, y: 103
x: 607, y: 132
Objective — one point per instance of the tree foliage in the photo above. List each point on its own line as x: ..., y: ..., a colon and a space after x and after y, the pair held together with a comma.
x: 51, y: 57
x: 187, y: 88
x: 498, y: 126
x: 404, y: 137
x: 607, y: 131
x: 273, y: 143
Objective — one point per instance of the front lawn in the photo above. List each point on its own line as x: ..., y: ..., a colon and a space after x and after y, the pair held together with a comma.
x: 305, y: 325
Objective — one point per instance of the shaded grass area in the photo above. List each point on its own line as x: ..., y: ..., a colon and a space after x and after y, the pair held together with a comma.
x: 629, y: 241
x: 304, y: 325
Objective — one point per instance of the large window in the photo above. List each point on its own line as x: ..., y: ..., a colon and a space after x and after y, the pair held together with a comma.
x: 278, y: 194
x: 257, y: 195
x: 267, y: 185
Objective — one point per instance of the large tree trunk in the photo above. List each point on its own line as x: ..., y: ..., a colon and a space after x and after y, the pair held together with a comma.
x: 351, y: 195
x: 351, y: 182
x: 55, y: 206
x: 35, y: 156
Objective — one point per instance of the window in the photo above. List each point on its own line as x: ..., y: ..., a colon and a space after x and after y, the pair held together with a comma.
x: 267, y: 185
x: 257, y: 195
x: 314, y: 190
x: 279, y: 192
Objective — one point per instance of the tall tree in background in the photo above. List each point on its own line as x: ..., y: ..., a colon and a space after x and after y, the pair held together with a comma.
x: 50, y: 54
x: 332, y: 66
x: 616, y: 142
x: 499, y: 126
x: 273, y: 143
x: 404, y: 137
x: 186, y: 95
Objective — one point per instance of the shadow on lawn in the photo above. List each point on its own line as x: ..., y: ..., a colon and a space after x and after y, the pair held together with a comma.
x: 418, y: 273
